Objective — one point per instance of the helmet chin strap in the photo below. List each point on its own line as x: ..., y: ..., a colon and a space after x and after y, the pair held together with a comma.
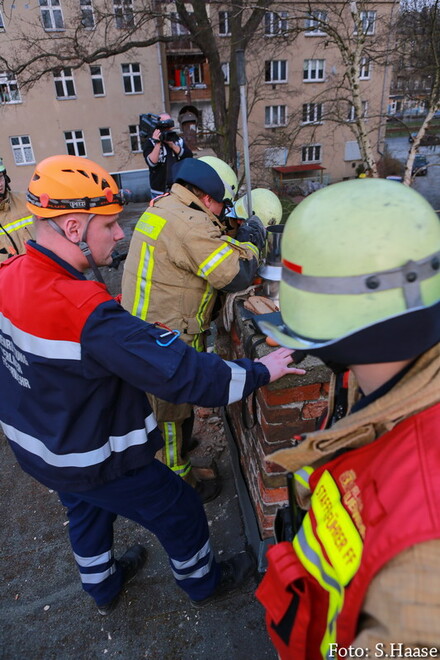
x: 82, y: 244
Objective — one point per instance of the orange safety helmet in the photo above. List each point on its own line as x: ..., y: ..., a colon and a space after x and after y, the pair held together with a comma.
x: 61, y: 184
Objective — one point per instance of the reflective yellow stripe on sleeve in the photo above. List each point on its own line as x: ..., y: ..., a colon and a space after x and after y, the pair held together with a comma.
x: 150, y: 224
x: 343, y: 544
x: 303, y: 476
x: 246, y: 244
x: 214, y: 260
x: 16, y: 224
x: 143, y: 281
x: 171, y: 450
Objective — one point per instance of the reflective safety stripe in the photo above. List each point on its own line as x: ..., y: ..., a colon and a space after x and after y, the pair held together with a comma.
x: 144, y: 277
x: 245, y: 244
x: 172, y: 457
x: 343, y: 545
x: 86, y: 562
x: 83, y: 459
x: 237, y: 383
x: 16, y: 224
x: 214, y: 260
x: 96, y: 578
x: 190, y: 566
x: 47, y: 348
x: 303, y: 475
x: 150, y: 224
x: 204, y: 303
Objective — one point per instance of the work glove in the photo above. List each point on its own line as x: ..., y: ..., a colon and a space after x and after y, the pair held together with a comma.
x: 252, y: 230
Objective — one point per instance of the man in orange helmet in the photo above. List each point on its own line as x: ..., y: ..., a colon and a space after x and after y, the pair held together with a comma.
x: 73, y: 379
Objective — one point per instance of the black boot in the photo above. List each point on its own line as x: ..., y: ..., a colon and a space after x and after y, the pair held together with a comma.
x: 131, y: 562
x: 235, y: 572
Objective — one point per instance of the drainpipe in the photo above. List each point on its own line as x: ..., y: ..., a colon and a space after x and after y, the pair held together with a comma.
x: 241, y: 78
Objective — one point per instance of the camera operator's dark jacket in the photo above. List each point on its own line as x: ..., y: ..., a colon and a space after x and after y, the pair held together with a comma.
x: 160, y: 172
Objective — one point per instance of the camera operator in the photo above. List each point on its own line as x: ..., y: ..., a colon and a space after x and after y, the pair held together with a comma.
x: 161, y: 151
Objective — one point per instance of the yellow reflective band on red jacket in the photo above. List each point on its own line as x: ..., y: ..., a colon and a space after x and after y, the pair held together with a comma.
x: 214, y: 260
x: 337, y: 533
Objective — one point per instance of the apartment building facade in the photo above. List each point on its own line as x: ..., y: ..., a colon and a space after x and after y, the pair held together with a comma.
x: 300, y: 121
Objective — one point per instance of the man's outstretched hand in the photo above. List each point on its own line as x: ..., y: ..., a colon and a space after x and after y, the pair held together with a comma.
x: 277, y: 361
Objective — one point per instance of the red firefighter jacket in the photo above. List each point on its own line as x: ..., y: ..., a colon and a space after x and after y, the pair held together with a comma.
x: 367, y: 505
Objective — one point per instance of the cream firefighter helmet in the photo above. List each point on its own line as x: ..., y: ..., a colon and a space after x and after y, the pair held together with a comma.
x: 226, y: 174
x: 361, y: 274
x: 265, y: 204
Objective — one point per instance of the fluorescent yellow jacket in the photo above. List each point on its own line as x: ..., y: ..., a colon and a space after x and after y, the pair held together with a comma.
x: 178, y: 258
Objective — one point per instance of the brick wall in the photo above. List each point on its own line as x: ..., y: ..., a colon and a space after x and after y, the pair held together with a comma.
x: 279, y: 411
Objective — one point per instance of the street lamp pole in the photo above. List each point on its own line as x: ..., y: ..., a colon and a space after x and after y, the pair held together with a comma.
x: 241, y: 78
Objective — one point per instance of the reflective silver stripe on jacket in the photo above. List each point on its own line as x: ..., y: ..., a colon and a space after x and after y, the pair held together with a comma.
x: 238, y: 382
x: 47, y: 348
x: 83, y: 459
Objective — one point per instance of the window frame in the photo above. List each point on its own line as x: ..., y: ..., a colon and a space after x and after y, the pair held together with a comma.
x: 107, y: 138
x: 21, y: 148
x: 314, y: 113
x: 351, y: 117
x: 270, y: 110
x: 64, y: 80
x: 273, y: 72
x: 132, y: 75
x: 224, y: 18
x: 75, y: 141
x: 365, y: 68
x: 275, y: 23
x: 316, y: 153
x: 2, y: 22
x: 95, y: 77
x: 135, y: 135
x: 87, y: 9
x: 313, y: 23
x: 313, y: 68
x: 368, y: 28
x: 9, y: 82
x: 51, y: 8
x: 124, y: 14
x: 226, y: 71
x: 178, y: 30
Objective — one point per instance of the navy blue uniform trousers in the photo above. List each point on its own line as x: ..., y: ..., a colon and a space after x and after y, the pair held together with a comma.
x: 160, y: 501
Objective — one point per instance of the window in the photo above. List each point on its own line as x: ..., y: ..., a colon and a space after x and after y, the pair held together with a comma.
x: 135, y: 138
x: 313, y: 70
x: 311, y: 153
x: 64, y: 85
x: 22, y: 150
x: 2, y: 23
x: 275, y: 23
x: 131, y: 76
x: 87, y: 15
x: 51, y: 15
x: 75, y: 143
x: 351, y: 115
x: 106, y: 141
x: 177, y: 28
x: 9, y: 92
x: 224, y: 28
x: 367, y: 21
x: 365, y: 68
x: 275, y: 115
x: 311, y: 113
x: 97, y: 81
x: 124, y: 15
x: 225, y: 69
x: 275, y: 71
x: 315, y: 23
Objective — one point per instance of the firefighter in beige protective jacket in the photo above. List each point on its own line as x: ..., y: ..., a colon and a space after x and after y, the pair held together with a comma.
x: 179, y: 258
x: 16, y: 226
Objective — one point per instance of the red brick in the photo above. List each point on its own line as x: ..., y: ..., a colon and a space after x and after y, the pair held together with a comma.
x: 277, y: 414
x: 277, y: 397
x: 325, y: 388
x: 275, y: 433
x: 314, y: 410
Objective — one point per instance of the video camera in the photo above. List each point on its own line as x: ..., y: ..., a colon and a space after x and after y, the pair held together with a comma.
x: 148, y: 123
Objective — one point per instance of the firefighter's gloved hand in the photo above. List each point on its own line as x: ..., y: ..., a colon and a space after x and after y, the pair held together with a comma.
x: 253, y: 231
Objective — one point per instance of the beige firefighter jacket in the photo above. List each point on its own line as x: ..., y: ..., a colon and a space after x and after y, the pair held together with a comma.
x: 402, y: 605
x: 179, y: 257
x: 16, y: 225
